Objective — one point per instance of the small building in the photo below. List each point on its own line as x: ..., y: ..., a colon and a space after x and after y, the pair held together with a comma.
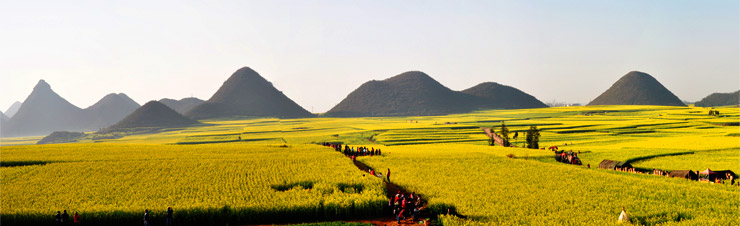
x: 686, y: 174
x: 613, y: 164
x: 712, y: 175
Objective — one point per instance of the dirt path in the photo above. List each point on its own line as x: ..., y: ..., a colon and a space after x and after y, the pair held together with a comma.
x: 392, y: 189
x: 389, y: 218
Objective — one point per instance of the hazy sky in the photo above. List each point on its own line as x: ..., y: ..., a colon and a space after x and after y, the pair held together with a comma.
x: 317, y: 52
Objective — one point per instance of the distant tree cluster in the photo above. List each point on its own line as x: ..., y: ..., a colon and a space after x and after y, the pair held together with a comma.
x: 533, y: 137
x: 505, y: 135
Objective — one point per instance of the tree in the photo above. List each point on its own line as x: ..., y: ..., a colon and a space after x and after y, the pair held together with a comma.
x: 505, y: 134
x: 533, y: 137
x: 492, y: 141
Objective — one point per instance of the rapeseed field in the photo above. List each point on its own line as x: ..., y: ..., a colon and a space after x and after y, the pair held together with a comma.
x: 271, y: 170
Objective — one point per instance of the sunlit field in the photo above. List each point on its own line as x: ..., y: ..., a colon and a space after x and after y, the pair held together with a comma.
x: 257, y: 170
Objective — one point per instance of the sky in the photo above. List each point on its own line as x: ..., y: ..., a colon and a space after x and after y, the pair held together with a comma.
x: 317, y: 52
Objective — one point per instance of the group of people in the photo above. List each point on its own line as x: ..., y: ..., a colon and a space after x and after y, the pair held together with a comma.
x: 360, y: 151
x: 405, y: 206
x: 568, y: 157
x: 63, y: 218
x: 352, y: 151
x: 168, y: 219
x: 658, y: 172
x: 627, y: 170
x: 729, y: 179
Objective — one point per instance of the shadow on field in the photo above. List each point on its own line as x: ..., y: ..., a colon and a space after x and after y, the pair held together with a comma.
x: 22, y: 163
x: 661, y: 218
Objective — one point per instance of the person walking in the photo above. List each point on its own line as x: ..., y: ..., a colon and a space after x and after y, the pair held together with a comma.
x: 400, y: 215
x: 77, y: 219
x: 65, y: 217
x: 623, y: 218
x: 169, y: 216
x: 58, y: 217
x: 416, y: 214
x: 388, y: 175
x: 146, y: 218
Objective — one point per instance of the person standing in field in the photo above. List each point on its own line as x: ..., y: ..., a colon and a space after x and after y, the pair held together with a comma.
x: 146, y: 218
x: 398, y: 218
x: 388, y: 175
x: 623, y: 218
x: 169, y: 216
x: 58, y: 217
x: 77, y: 219
x: 65, y: 217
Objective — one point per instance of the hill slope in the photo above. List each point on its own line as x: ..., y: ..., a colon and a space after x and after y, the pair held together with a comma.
x: 43, y: 112
x: 501, y: 96
x: 637, y: 88
x: 152, y: 114
x: 246, y: 93
x: 109, y: 110
x: 412, y: 93
x: 13, y: 109
x: 3, y: 118
x: 719, y: 99
x: 183, y: 105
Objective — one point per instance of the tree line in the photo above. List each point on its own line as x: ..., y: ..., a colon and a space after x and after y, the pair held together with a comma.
x: 532, y: 136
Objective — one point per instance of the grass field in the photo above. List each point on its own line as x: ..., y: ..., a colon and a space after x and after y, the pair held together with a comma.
x: 260, y: 170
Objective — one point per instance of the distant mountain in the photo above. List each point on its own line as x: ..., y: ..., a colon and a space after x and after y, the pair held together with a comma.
x: 411, y: 93
x: 246, y: 93
x: 13, y: 109
x: 719, y: 99
x: 58, y: 137
x: 3, y: 118
x: 152, y: 115
x: 109, y: 110
x: 43, y: 112
x: 501, y: 96
x: 182, y: 106
x: 637, y: 88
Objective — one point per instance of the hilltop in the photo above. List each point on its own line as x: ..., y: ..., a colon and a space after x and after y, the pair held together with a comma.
x: 410, y: 93
x: 637, y: 88
x: 183, y: 105
x: 13, y: 109
x: 719, y: 99
x: 43, y: 112
x: 246, y: 93
x: 502, y: 96
x: 415, y: 93
x: 3, y: 118
x: 152, y: 115
x: 109, y: 110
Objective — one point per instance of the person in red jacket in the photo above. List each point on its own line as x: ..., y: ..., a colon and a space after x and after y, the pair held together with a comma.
x: 77, y: 219
x: 388, y: 175
x: 400, y: 215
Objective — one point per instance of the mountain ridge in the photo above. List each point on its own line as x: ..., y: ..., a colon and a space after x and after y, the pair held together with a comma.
x: 637, y: 88
x: 247, y: 93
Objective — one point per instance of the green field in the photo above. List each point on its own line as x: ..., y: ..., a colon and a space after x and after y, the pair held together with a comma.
x: 271, y: 170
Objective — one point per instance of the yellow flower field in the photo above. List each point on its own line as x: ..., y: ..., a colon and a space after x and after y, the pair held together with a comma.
x: 251, y: 170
